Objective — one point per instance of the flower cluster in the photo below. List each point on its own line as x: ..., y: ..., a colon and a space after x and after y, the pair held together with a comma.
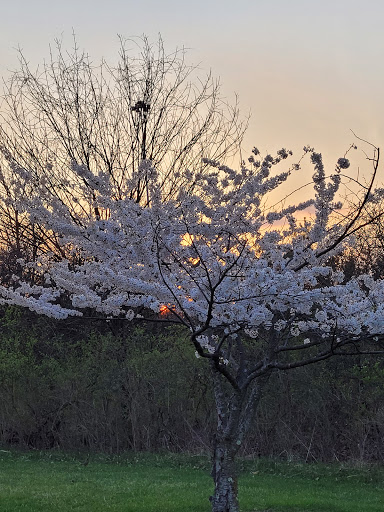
x: 213, y: 251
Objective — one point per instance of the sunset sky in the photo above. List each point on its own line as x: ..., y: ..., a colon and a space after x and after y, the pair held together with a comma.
x: 307, y: 71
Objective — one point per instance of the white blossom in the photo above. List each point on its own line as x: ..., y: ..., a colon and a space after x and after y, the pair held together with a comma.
x: 216, y: 257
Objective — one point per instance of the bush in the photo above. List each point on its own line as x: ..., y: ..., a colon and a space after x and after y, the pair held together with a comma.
x: 86, y: 385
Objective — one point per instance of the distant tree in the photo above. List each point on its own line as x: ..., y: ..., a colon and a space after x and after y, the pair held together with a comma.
x: 253, y: 285
x: 71, y: 113
x: 367, y: 253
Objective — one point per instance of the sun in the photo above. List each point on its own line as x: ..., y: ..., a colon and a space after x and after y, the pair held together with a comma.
x: 163, y: 310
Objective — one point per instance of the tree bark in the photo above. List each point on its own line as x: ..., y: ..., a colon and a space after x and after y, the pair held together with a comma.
x: 235, y: 408
x: 225, y: 478
x: 229, y: 404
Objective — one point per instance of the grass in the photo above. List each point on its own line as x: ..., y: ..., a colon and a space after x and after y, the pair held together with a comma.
x: 284, y: 487
x: 42, y: 482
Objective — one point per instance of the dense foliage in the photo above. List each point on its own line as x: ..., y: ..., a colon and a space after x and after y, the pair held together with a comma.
x: 77, y: 386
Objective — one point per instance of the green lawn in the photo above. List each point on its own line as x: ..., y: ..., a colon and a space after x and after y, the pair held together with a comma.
x: 54, y: 482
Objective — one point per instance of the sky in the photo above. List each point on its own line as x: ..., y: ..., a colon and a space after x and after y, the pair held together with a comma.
x: 307, y: 71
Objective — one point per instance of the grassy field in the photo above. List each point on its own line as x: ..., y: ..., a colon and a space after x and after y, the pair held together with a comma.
x: 53, y: 482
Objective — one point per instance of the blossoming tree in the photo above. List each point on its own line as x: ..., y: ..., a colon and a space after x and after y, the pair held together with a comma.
x: 254, y: 285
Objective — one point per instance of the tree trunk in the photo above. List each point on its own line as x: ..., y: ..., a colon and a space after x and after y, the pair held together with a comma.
x: 225, y: 478
x: 235, y: 408
x: 229, y: 404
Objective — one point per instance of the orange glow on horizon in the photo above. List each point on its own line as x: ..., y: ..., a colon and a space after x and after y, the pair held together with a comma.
x: 163, y: 310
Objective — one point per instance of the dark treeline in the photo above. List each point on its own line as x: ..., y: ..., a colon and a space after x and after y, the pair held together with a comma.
x: 111, y: 387
x: 87, y: 385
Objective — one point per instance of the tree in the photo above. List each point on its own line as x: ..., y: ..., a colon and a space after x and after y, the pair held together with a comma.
x: 71, y: 113
x: 366, y: 255
x: 253, y: 284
